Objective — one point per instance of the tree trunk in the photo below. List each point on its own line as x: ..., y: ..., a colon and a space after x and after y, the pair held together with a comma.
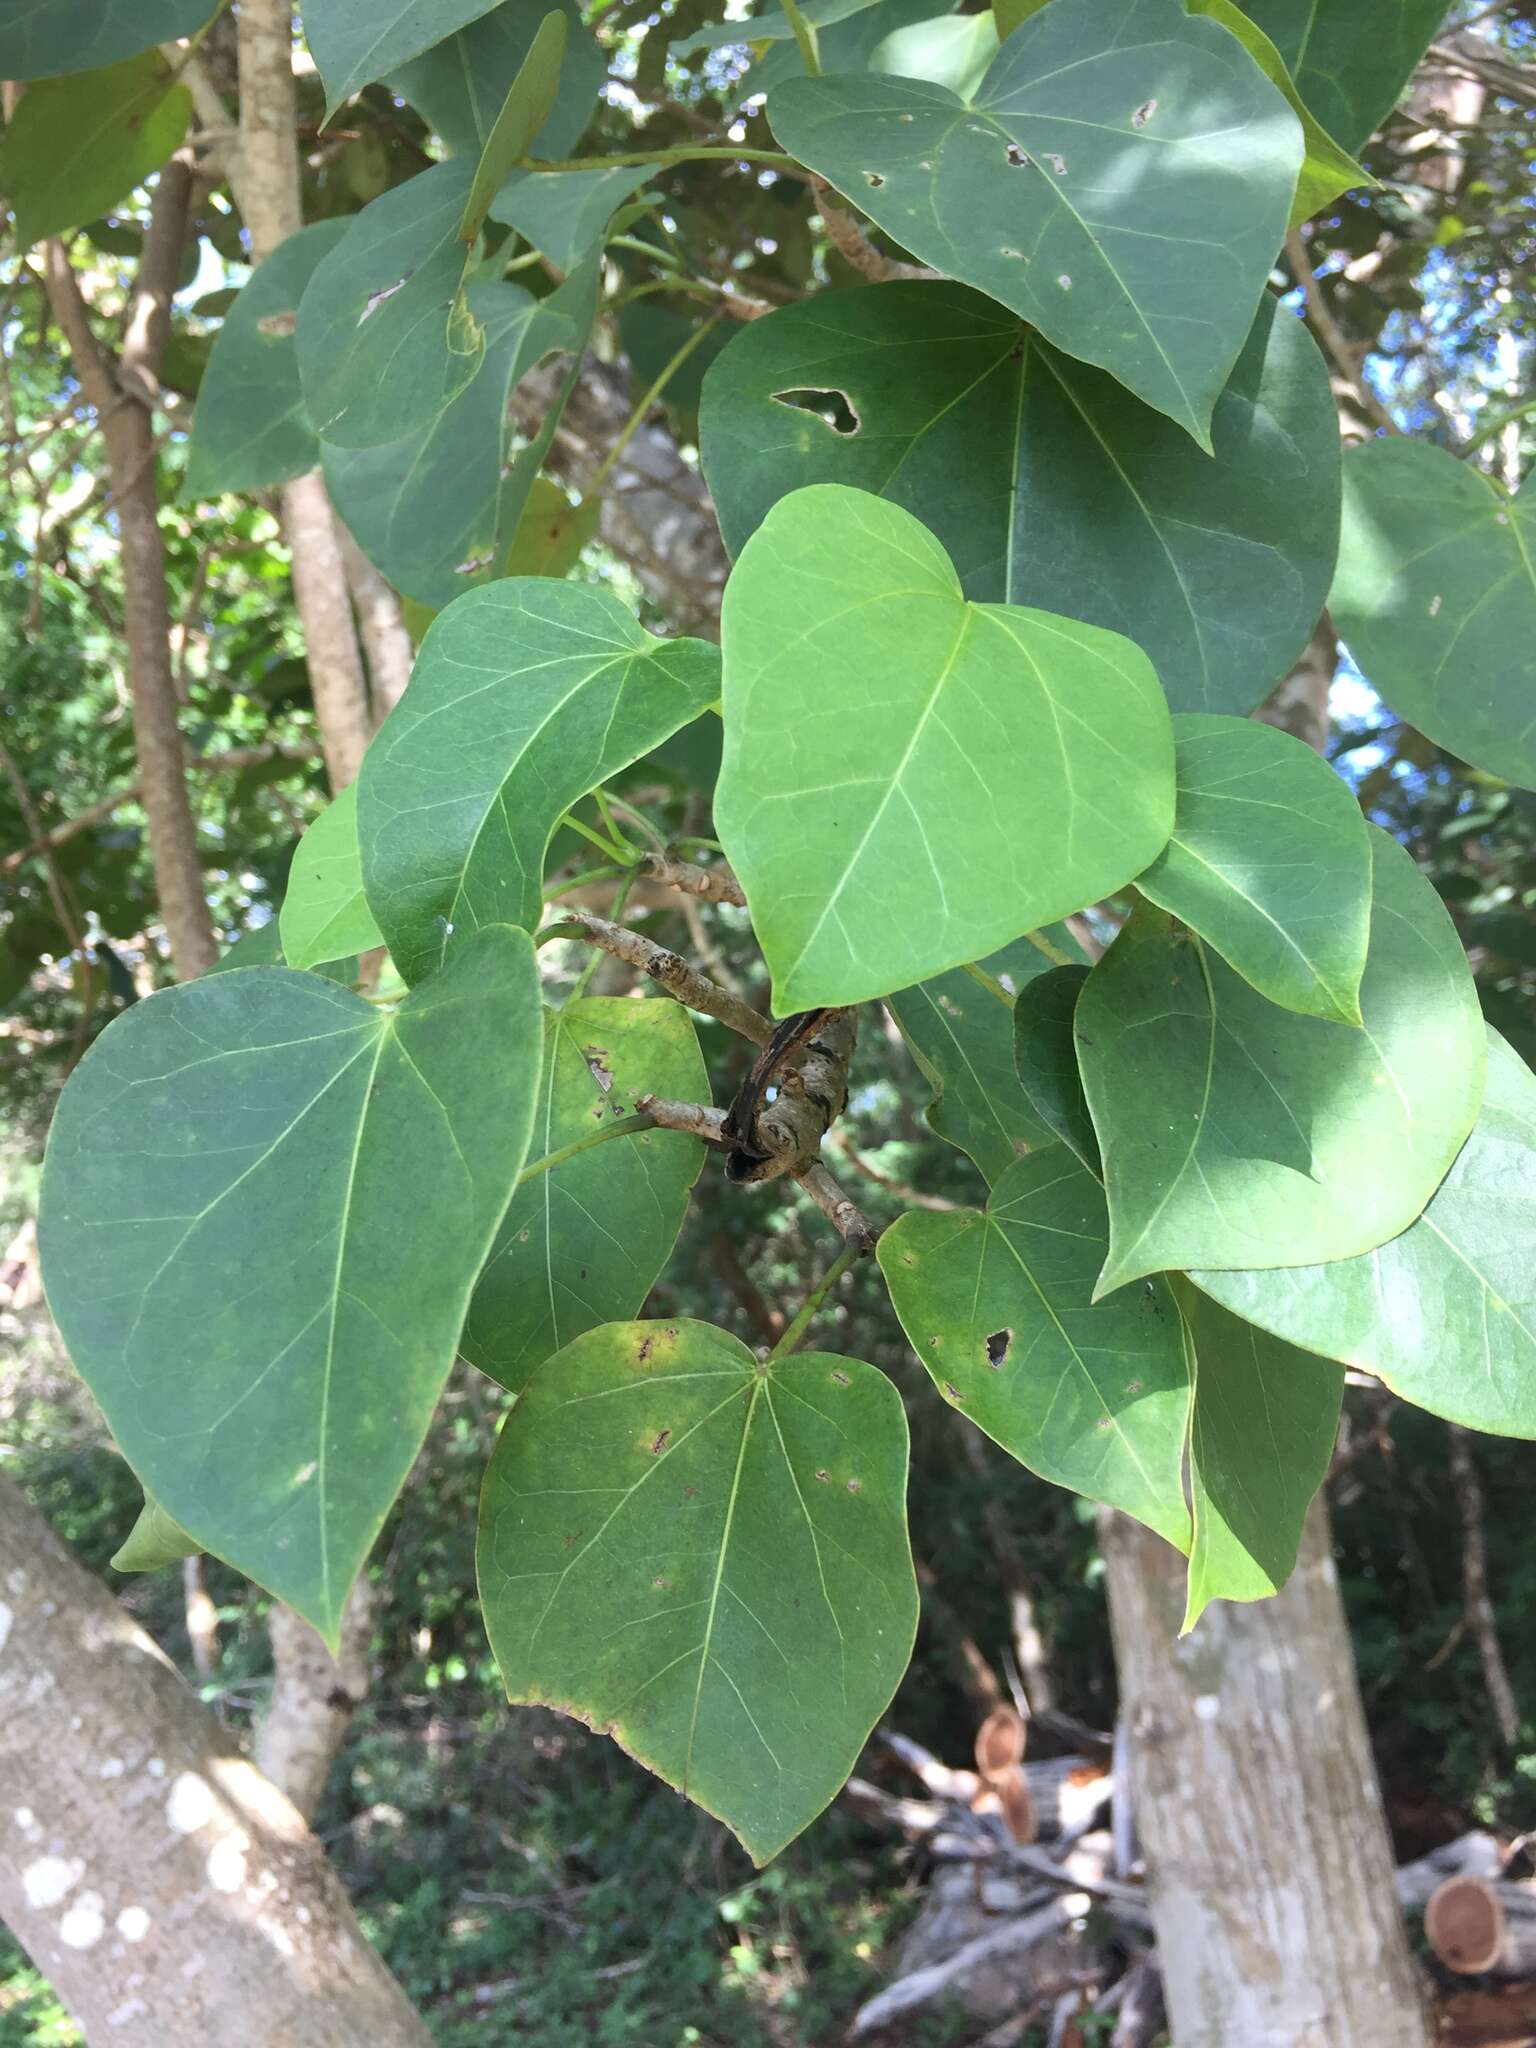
x: 1255, y: 1794
x: 382, y: 625
x: 313, y: 1697
x: 172, y: 1896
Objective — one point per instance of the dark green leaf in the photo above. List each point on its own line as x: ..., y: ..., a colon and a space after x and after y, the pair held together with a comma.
x: 1349, y: 69
x: 41, y: 38
x: 354, y: 42
x: 1122, y: 179
x: 584, y: 1242
x: 153, y: 1542
x: 525, y: 695
x: 1445, y: 1314
x: 1238, y: 1134
x: 552, y: 531
x: 883, y: 739
x: 325, y: 914
x: 76, y: 146
x: 1270, y: 862
x: 706, y: 1558
x: 565, y: 214
x: 239, y: 1257
x: 1045, y: 1059
x: 846, y: 45
x: 385, y: 340
x: 771, y: 26
x: 461, y: 85
x: 997, y: 1307
x: 1436, y: 595
x: 263, y: 947
x: 1261, y: 1434
x: 961, y: 1035
x: 529, y: 102
x: 251, y: 428
x: 1048, y: 483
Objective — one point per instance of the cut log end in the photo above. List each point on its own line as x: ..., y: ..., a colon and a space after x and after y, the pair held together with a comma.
x: 1464, y: 1925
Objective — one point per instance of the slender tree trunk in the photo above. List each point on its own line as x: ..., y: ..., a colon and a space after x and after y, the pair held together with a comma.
x: 1273, y: 1889
x: 171, y: 1895
x: 313, y: 1697
x: 382, y: 625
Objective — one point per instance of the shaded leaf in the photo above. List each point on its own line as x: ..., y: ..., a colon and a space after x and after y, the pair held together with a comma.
x: 238, y: 1256
x: 996, y: 1304
x: 263, y: 947
x: 354, y: 42
x: 1235, y: 1133
x: 528, y: 105
x: 251, y: 428
x: 584, y: 1242
x: 384, y: 341
x: 525, y: 695
x: 154, y: 1541
x: 1061, y: 190
x: 1436, y: 596
x: 883, y: 737
x: 565, y: 214
x: 1270, y: 862
x: 845, y: 45
x: 961, y: 1037
x: 1445, y: 1314
x: 1348, y: 71
x: 1261, y: 1435
x: 325, y: 914
x: 706, y: 1558
x: 1047, y: 481
x: 76, y: 146
x: 461, y: 85
x: 552, y: 531
x: 771, y: 26
x: 1045, y: 1059
x: 40, y: 38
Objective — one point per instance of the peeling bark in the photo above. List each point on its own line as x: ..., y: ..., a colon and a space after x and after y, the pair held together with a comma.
x: 172, y: 1896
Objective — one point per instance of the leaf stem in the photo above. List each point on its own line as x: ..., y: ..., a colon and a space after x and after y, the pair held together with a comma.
x: 662, y: 158
x: 1052, y: 953
x: 622, y: 1127
x: 992, y: 986
x: 805, y: 36
x: 844, y: 1262
x: 649, y: 397
x: 623, y: 855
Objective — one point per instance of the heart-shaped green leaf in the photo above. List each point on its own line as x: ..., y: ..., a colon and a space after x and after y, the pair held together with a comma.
x: 530, y: 100
x: 996, y: 1304
x: 525, y: 695
x: 884, y: 738
x: 1436, y: 596
x: 584, y: 1242
x: 1238, y: 1134
x: 354, y: 42
x: 385, y: 338
x: 565, y: 214
x: 961, y: 1035
x: 706, y: 1558
x: 77, y: 146
x: 1045, y: 1059
x: 1349, y: 69
x: 40, y: 39
x: 325, y: 914
x: 1261, y: 1434
x: 251, y: 429
x: 1046, y: 480
x: 1123, y: 179
x: 239, y: 1257
x: 460, y: 85
x: 1270, y: 861
x: 1445, y: 1314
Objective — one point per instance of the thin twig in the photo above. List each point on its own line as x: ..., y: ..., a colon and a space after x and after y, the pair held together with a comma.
x: 852, y: 241
x: 1474, y: 1580
x: 1331, y: 335
x: 845, y: 1216
x: 717, y: 884
x: 914, y: 1197
x: 667, y: 968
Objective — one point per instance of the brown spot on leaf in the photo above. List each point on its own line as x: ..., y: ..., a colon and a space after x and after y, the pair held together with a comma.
x: 952, y: 1390
x: 277, y: 326
x: 841, y: 1377
x: 823, y: 1477
x: 1143, y: 113
x: 853, y: 1486
x: 690, y: 1493
x: 661, y: 1443
x: 595, y: 1057
x: 570, y: 1540
x: 647, y: 1346
x: 874, y: 180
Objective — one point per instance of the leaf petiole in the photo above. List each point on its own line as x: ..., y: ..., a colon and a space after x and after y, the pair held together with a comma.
x: 623, y: 1127
x: 843, y: 1263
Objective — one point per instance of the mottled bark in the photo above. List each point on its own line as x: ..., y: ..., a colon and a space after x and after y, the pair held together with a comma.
x: 382, y: 625
x: 172, y: 1896
x: 314, y: 1696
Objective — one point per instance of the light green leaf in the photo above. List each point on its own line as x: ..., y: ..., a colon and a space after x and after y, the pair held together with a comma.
x: 262, y: 947
x: 76, y: 146
x: 845, y: 45
x: 1261, y: 1435
x: 565, y: 214
x: 384, y: 341
x: 153, y: 1542
x: 997, y: 1307
x: 961, y: 1036
x: 706, y: 1558
x: 952, y: 50
x: 460, y: 85
x: 41, y: 38
x: 1445, y: 1314
x: 1436, y: 596
x: 552, y: 531
x: 325, y: 914
x: 1045, y: 1059
x: 354, y: 42
x: 435, y: 510
x: 884, y: 738
x: 1009, y: 13
x: 528, y: 105
x: 525, y: 695
x: 1238, y: 1134
x: 239, y: 1257
x: 251, y: 428
x: 1270, y: 862
x: 1047, y: 481
x: 1064, y: 187
x: 584, y: 1242
x: 1326, y: 170
x: 1347, y: 68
